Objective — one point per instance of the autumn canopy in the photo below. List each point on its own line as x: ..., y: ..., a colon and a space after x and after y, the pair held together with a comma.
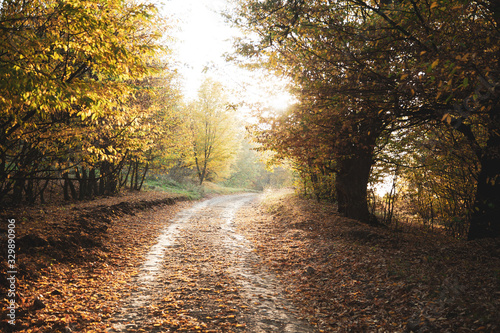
x: 409, y: 88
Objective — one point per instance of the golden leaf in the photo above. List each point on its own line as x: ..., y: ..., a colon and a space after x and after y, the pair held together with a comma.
x: 447, y: 118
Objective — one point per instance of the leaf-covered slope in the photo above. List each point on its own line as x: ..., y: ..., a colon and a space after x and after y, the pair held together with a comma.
x: 347, y: 277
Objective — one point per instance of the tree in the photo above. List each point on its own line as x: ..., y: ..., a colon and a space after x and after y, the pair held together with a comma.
x: 366, y: 67
x: 214, y: 132
x: 65, y: 73
x: 159, y: 138
x: 337, y: 122
x: 251, y: 172
x: 436, y: 174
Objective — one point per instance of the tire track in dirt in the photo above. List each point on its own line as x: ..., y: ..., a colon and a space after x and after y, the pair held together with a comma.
x: 201, y: 269
x: 271, y: 312
x: 145, y: 287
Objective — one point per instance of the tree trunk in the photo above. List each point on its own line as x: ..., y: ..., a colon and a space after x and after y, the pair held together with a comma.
x: 485, y: 219
x: 124, y: 182
x: 92, y: 184
x: 68, y: 185
x: 201, y: 170
x: 109, y: 177
x: 132, y: 174
x: 198, y: 169
x: 83, y: 182
x: 17, y: 195
x: 30, y: 192
x: 352, y: 184
x: 143, y: 176
x: 102, y: 179
x: 136, y: 177
x: 42, y: 191
x: 202, y: 175
x: 315, y: 183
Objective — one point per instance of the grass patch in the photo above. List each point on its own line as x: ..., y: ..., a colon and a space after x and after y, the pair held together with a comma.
x: 187, y: 189
x: 213, y: 188
x: 190, y: 189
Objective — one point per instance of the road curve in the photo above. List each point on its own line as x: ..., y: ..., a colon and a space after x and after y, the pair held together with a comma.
x: 200, y: 249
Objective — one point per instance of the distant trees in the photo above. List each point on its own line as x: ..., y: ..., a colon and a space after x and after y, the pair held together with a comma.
x: 214, y: 131
x: 250, y: 170
x: 436, y: 175
x: 159, y: 137
x: 368, y: 70
x: 86, y: 107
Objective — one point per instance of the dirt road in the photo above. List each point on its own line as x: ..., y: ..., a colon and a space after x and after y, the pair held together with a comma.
x: 203, y: 276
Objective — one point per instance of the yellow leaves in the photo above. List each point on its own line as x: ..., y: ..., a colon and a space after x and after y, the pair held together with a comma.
x: 447, y: 118
x: 432, y: 66
x: 434, y: 5
x: 84, y: 114
x: 465, y: 57
x: 56, y: 57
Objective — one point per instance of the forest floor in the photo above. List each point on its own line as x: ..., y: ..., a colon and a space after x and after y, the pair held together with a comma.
x: 243, y: 263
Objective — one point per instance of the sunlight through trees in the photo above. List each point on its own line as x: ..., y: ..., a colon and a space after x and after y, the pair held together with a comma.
x: 91, y: 102
x: 366, y: 70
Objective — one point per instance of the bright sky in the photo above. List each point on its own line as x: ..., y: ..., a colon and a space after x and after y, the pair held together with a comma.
x: 203, y: 37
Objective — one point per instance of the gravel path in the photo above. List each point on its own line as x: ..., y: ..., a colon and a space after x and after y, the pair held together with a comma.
x: 203, y: 276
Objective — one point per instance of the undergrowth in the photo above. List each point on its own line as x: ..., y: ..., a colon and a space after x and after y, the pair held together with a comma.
x: 189, y: 188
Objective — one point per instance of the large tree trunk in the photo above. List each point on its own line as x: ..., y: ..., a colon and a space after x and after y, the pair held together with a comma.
x: 353, y: 171
x: 351, y: 186
x: 485, y: 219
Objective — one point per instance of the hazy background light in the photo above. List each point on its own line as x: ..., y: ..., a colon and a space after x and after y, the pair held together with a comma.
x: 203, y: 37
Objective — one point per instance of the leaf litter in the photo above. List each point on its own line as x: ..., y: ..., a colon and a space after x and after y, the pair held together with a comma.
x: 73, y: 276
x: 277, y: 262
x: 345, y: 276
x: 212, y: 281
